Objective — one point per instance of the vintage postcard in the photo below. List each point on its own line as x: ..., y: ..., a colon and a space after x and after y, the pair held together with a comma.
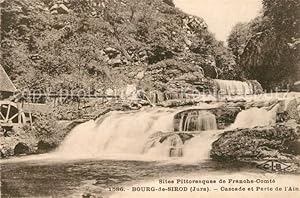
x: 150, y: 98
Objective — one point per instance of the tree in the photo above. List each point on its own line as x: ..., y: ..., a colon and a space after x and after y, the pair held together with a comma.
x: 266, y: 48
x: 238, y: 38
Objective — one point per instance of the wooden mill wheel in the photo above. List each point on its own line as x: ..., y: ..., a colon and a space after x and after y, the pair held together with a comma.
x: 11, y: 114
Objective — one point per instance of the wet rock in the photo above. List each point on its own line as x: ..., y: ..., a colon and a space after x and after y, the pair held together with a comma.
x: 44, y: 147
x: 152, y: 140
x: 185, y: 137
x: 175, y: 152
x: 257, y: 143
x: 21, y: 148
x: 176, y: 103
x: 226, y: 116
x: 289, y: 110
x: 130, y: 106
x: 261, y: 103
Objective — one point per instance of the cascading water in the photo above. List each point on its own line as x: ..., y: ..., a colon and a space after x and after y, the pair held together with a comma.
x: 197, y: 120
x: 117, y: 133
x: 233, y: 87
x: 254, y: 117
x: 148, y: 133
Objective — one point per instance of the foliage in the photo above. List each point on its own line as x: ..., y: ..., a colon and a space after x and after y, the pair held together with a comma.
x: 237, y: 39
x: 46, y: 129
x: 97, y: 43
x: 267, y: 48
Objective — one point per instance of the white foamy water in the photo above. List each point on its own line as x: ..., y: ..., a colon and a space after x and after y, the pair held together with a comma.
x: 147, y: 134
x: 195, y: 150
x: 198, y: 148
x: 118, y: 133
x: 234, y: 87
x: 254, y: 117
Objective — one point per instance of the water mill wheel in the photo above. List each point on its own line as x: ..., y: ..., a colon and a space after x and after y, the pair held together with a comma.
x: 11, y: 114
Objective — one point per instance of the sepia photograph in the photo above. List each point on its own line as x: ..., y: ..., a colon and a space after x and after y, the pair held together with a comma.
x: 150, y: 98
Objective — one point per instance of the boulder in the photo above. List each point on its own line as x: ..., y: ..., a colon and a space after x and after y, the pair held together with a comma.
x: 225, y: 116
x: 257, y: 143
x: 289, y: 108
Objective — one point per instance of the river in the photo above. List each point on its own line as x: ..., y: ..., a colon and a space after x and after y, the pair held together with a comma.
x: 127, y: 151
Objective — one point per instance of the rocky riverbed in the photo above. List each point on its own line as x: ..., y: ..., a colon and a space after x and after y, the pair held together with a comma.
x: 278, y: 140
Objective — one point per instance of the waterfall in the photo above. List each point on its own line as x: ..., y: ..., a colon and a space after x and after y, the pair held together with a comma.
x: 254, y: 117
x: 233, y: 87
x: 148, y: 132
x: 197, y: 120
x: 193, y: 150
x: 117, y: 133
x: 198, y: 148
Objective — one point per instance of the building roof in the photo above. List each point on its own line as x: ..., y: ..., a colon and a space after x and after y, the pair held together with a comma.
x: 5, y: 82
